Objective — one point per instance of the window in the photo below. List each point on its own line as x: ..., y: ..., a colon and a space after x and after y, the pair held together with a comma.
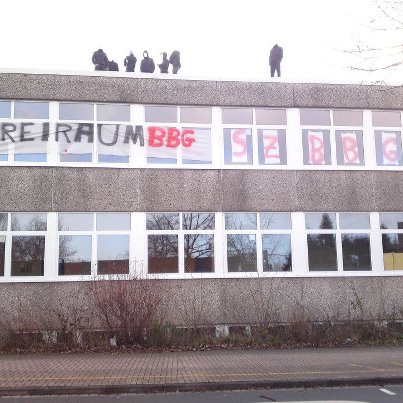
x: 161, y: 114
x: 76, y: 111
x: 5, y: 109
x: 76, y: 141
x: 391, y: 225
x: 237, y: 116
x: 351, y: 233
x: 386, y: 119
x: 316, y: 146
x: 2, y: 254
x: 113, y: 112
x: 271, y: 116
x: 113, y: 254
x: 28, y: 251
x: 347, y: 118
x: 314, y: 117
x: 193, y: 114
x: 31, y: 110
x: 349, y: 147
x: 238, y: 146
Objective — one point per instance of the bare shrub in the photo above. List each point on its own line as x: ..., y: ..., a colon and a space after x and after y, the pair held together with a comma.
x: 127, y: 306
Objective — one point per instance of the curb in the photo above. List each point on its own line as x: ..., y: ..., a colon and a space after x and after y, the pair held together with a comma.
x: 196, y: 387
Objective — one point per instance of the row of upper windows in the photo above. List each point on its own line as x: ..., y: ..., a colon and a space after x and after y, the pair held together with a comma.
x: 195, y: 115
x: 180, y: 243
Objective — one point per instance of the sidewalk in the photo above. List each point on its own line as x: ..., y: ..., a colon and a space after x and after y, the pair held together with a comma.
x: 43, y: 374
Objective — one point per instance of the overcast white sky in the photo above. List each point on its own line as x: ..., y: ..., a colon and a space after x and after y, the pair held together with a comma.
x: 216, y: 38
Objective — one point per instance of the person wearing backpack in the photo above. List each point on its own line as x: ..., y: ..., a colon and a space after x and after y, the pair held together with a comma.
x: 130, y: 63
x: 175, y: 60
x: 147, y: 64
x: 100, y: 60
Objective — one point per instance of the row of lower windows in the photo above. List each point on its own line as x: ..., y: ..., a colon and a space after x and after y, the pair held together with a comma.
x: 56, y: 245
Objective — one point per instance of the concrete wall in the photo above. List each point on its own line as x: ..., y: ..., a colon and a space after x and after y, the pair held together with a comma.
x: 196, y: 92
x: 221, y: 301
x: 103, y: 189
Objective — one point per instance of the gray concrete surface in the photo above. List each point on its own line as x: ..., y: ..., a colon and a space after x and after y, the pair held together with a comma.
x: 59, y: 87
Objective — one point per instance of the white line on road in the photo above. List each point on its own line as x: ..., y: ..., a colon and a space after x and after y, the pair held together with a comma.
x: 388, y: 392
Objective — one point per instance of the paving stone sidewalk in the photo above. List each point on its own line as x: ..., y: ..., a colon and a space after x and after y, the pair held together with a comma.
x: 197, y: 370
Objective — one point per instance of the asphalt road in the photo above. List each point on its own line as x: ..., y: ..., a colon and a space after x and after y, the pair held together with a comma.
x: 367, y: 394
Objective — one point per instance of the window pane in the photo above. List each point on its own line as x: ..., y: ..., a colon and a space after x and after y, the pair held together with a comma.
x: 76, y: 141
x: 392, y: 251
x: 388, y: 146
x: 163, y: 221
x: 113, y: 112
x: 356, y: 252
x: 75, y: 255
x: 76, y: 222
x: 2, y: 254
x: 271, y: 116
x: 198, y: 221
x: 161, y: 114
x: 238, y: 147
x: 199, y: 253
x: 30, y: 157
x: 315, y: 117
x: 193, y: 114
x: 3, y: 221
x: 28, y: 222
x: 320, y: 220
x: 77, y: 111
x: 113, y: 221
x: 113, y: 254
x: 316, y: 147
x: 198, y: 152
x: 163, y: 254
x: 354, y: 220
x: 241, y: 252
x: 240, y: 221
x: 5, y: 109
x: 349, y: 147
x: 27, y: 255
x: 322, y: 252
x: 111, y: 142
x: 31, y: 110
x: 272, y: 146
x: 275, y: 220
x: 347, y: 118
x: 237, y: 115
x: 386, y: 119
x: 391, y: 220
x: 276, y: 252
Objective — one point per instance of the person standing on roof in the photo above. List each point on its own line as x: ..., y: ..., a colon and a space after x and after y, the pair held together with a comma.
x: 175, y: 60
x: 100, y: 60
x: 113, y: 66
x: 276, y: 56
x: 130, y: 62
x: 165, y: 63
x: 147, y: 64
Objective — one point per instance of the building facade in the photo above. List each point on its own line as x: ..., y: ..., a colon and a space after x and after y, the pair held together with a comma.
x: 220, y: 192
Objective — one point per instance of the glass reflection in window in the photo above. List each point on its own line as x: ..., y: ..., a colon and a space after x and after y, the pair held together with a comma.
x: 28, y: 222
x: 241, y: 253
x: 240, y: 221
x: 76, y: 222
x: 392, y: 251
x: 196, y: 114
x: 347, y: 118
x: 391, y: 220
x: 76, y: 111
x: 237, y: 116
x: 315, y: 117
x: 75, y: 255
x: 276, y: 252
x: 354, y: 220
x: 113, y: 112
x: 27, y: 256
x: 275, y: 220
x: 199, y: 253
x: 386, y: 119
x: 3, y: 221
x: 113, y: 254
x: 113, y: 221
x: 2, y: 254
x: 31, y: 110
x: 320, y: 220
x: 163, y: 254
x: 271, y: 116
x: 161, y: 114
x: 356, y: 252
x: 5, y: 109
x: 198, y: 221
x: 322, y: 254
x: 162, y: 221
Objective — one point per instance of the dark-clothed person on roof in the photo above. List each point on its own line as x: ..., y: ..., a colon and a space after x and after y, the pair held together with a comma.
x: 147, y: 64
x: 175, y: 60
x: 100, y: 60
x: 276, y: 56
x: 130, y: 63
x: 164, y: 64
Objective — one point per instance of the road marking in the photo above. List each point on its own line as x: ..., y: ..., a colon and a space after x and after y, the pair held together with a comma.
x: 388, y: 392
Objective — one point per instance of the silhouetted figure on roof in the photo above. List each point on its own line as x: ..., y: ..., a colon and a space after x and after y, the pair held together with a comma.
x: 147, y: 64
x: 165, y: 63
x: 113, y: 66
x: 175, y: 60
x: 100, y: 60
x: 276, y: 56
x: 130, y: 62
